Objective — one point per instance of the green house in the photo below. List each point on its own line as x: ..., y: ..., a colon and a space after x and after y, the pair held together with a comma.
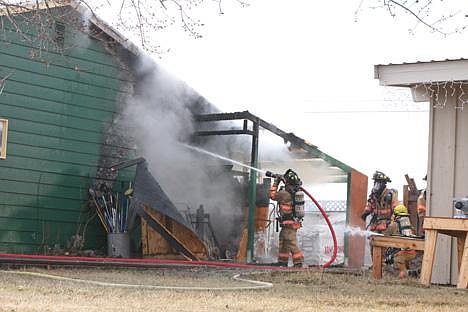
x: 61, y: 87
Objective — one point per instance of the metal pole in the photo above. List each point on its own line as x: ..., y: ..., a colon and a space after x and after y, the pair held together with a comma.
x: 252, y: 193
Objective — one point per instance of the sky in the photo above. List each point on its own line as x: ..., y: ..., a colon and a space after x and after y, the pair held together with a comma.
x: 308, y: 67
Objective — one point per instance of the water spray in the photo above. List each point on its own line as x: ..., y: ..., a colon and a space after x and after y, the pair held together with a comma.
x: 222, y: 157
x: 353, y: 231
x: 281, y: 177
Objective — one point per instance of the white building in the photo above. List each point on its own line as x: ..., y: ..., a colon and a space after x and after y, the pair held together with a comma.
x: 444, y: 84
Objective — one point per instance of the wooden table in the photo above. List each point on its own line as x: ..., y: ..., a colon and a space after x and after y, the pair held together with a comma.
x: 380, y: 243
x: 452, y: 227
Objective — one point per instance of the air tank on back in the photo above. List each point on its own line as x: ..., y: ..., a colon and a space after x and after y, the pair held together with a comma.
x: 299, y: 211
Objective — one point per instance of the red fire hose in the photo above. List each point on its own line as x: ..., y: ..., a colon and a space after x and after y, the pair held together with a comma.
x: 39, y: 259
x: 332, y: 231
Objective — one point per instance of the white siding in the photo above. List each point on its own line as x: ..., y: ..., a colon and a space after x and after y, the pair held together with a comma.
x: 448, y: 177
x: 442, y: 180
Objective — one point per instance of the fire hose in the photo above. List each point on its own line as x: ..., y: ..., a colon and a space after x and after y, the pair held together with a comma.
x: 324, y: 214
x: 254, y: 284
x: 332, y: 231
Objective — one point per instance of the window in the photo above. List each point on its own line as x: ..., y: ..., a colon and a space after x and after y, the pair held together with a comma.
x: 3, y: 137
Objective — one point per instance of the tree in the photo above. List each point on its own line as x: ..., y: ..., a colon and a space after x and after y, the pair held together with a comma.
x: 141, y: 19
x: 41, y: 25
x: 442, y: 16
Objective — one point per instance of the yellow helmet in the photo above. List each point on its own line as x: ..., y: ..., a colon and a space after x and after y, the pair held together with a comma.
x: 400, y: 210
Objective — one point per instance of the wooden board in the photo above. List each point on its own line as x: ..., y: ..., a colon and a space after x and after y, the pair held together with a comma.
x: 241, y: 256
x: 379, y: 243
x: 355, y: 244
x: 450, y: 226
x: 152, y: 242
x: 441, y: 223
x: 428, y: 259
x: 155, y: 245
x: 397, y: 242
x: 463, y: 275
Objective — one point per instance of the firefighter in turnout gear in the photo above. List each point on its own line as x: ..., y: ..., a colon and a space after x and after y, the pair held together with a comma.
x: 401, y: 226
x: 289, y: 198
x: 380, y: 203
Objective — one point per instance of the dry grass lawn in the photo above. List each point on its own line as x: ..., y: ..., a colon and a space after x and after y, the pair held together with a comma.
x: 309, y: 290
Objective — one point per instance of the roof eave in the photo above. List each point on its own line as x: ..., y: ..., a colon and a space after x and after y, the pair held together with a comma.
x: 106, y: 28
x: 411, y: 74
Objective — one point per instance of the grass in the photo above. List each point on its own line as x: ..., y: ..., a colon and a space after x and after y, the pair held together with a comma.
x: 292, y: 291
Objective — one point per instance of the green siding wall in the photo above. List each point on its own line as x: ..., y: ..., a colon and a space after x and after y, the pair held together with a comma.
x: 59, y: 107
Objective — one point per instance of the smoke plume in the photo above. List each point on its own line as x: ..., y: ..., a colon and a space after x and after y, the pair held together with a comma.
x: 159, y: 116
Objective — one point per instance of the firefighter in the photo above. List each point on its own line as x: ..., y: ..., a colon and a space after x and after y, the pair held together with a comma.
x: 289, y: 221
x: 401, y: 226
x: 380, y: 203
x: 421, y: 207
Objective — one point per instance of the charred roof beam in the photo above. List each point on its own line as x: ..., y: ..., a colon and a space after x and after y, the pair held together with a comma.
x: 224, y: 132
x: 296, y: 142
x: 224, y: 116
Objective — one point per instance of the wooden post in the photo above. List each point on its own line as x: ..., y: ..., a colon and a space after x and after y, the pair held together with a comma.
x: 377, y: 262
x: 410, y: 200
x: 428, y: 258
x: 460, y: 248
x: 463, y: 273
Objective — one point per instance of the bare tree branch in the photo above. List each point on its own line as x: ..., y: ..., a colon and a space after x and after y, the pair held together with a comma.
x: 414, y: 15
x: 439, y: 17
x: 140, y: 24
x: 35, y: 20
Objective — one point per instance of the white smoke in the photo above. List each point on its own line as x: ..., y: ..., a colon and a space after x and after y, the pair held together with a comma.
x: 159, y: 117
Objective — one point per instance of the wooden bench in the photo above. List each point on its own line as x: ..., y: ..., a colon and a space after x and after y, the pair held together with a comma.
x: 452, y: 227
x: 380, y: 243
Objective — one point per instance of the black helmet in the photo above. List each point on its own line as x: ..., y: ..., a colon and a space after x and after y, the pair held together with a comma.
x: 380, y: 176
x: 291, y: 177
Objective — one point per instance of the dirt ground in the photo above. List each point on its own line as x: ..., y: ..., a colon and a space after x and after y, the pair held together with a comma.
x: 128, y: 290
